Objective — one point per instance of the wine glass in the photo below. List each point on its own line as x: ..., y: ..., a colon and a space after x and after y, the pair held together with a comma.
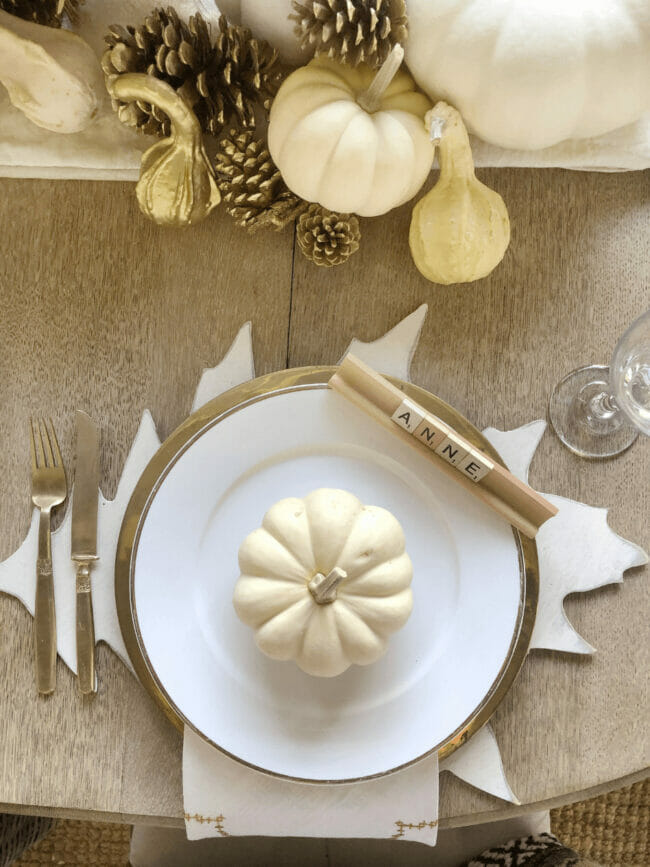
x: 598, y: 411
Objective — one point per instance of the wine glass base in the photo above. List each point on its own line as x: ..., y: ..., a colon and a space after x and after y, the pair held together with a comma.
x: 586, y: 424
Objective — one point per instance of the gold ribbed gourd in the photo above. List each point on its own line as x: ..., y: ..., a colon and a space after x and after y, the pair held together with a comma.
x: 177, y: 186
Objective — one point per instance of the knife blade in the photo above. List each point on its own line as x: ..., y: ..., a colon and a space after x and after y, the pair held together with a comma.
x: 86, y: 490
x: 83, y: 548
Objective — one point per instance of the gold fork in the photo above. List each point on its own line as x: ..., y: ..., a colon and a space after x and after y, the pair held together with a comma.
x: 48, y: 490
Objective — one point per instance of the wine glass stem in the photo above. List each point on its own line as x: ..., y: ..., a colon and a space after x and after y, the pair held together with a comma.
x: 603, y: 406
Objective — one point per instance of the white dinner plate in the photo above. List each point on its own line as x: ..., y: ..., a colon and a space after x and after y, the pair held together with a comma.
x: 474, y: 587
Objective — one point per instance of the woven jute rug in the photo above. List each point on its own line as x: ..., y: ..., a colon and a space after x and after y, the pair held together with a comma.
x: 91, y: 843
x: 612, y: 830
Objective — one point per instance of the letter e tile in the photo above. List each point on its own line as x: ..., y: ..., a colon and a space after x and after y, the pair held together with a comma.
x: 475, y: 465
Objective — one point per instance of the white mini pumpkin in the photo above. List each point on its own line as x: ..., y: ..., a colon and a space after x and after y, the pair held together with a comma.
x: 346, y: 146
x: 324, y: 581
x: 531, y: 73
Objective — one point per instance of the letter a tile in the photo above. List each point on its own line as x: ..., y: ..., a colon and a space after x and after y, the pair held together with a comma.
x: 407, y: 416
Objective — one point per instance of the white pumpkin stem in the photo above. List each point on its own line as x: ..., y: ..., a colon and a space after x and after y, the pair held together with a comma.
x: 447, y: 131
x: 370, y: 100
x: 324, y: 587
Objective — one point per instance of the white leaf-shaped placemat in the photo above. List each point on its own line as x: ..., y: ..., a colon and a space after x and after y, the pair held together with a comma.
x: 392, y: 353
x: 577, y: 551
x: 478, y: 762
x: 578, y: 535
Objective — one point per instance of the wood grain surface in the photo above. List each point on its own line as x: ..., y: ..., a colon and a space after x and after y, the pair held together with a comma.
x: 102, y: 311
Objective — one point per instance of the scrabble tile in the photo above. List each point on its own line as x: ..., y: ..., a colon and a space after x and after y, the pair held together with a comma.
x: 431, y: 431
x: 407, y: 416
x: 475, y: 465
x: 452, y: 449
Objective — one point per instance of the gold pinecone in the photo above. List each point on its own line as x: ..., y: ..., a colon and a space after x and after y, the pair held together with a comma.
x: 354, y: 31
x: 327, y: 238
x: 48, y: 12
x: 222, y: 77
x: 251, y: 185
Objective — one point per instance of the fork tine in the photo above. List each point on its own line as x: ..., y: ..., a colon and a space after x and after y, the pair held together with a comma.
x: 40, y: 454
x: 58, y: 460
x: 32, y: 444
x: 45, y: 437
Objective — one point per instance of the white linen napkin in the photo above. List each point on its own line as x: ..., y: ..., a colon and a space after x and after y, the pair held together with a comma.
x: 223, y: 798
x: 108, y: 151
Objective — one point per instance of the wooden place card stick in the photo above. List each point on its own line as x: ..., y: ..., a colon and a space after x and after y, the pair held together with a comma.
x: 523, y: 507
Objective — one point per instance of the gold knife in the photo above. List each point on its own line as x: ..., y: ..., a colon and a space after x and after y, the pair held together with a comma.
x: 84, y: 543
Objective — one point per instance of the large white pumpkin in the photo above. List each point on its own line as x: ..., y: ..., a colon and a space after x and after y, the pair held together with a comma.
x: 530, y: 73
x: 324, y: 581
x: 334, y: 149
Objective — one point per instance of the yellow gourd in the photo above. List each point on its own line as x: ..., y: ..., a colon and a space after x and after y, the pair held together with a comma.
x: 460, y: 230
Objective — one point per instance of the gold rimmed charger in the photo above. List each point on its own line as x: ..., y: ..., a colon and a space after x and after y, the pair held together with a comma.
x: 215, y: 412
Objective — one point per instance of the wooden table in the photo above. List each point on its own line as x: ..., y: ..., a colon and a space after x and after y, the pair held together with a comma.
x: 103, y: 311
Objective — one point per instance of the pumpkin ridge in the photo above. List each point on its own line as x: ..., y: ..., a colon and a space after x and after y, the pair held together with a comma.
x: 338, y: 554
x: 312, y: 616
x: 349, y: 648
x: 248, y: 609
x: 369, y: 608
x: 286, y: 610
x: 400, y: 129
x: 248, y: 565
x: 306, y: 567
x: 335, y: 144
x: 367, y: 121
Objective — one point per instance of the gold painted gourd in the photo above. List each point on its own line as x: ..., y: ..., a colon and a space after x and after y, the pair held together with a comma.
x: 349, y: 138
x: 460, y: 229
x: 324, y: 581
x: 177, y: 185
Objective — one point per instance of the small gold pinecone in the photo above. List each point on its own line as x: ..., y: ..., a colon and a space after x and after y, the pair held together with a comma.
x: 48, y: 12
x: 354, y: 31
x: 251, y: 185
x: 221, y: 77
x: 327, y: 238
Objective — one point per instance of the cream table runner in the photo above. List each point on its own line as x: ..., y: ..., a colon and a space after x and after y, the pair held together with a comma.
x: 109, y: 151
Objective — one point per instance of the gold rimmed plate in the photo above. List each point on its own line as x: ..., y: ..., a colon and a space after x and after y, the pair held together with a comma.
x: 475, y: 586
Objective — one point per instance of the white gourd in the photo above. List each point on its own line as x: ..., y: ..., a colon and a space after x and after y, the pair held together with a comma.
x: 51, y: 75
x: 351, y: 139
x: 324, y: 581
x: 531, y: 73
